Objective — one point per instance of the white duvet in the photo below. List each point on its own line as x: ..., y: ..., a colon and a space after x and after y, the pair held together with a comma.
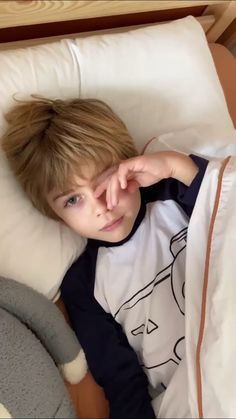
x: 204, y: 384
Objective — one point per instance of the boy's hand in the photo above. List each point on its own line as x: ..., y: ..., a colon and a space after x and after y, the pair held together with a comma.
x: 145, y: 171
x: 130, y: 175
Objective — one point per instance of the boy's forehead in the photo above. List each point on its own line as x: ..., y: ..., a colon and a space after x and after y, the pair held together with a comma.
x: 90, y: 170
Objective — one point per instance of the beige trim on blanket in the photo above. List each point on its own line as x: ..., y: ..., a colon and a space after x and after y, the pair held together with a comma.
x: 205, y: 288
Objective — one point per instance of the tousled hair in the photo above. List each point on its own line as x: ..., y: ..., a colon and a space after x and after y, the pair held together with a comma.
x: 48, y: 142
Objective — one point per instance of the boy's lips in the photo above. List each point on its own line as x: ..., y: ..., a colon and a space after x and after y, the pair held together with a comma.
x: 112, y: 225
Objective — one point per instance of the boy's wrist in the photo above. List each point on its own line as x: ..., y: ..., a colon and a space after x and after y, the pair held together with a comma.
x: 181, y: 167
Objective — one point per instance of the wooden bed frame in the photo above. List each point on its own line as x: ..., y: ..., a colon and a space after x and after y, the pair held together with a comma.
x: 27, y: 22
x: 24, y: 23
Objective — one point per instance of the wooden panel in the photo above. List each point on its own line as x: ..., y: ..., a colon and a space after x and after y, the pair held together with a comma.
x: 95, y: 24
x: 225, y: 13
x: 205, y: 21
x: 20, y: 13
x: 228, y: 38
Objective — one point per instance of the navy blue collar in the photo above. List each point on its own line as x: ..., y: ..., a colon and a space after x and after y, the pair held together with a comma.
x: 139, y: 219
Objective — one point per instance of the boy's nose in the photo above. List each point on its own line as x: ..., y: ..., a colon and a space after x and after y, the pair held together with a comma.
x: 101, y: 205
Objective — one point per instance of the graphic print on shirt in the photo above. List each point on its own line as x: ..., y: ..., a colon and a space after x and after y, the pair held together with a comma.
x: 164, y: 324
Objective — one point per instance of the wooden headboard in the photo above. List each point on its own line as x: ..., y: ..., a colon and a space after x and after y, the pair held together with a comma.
x: 27, y: 22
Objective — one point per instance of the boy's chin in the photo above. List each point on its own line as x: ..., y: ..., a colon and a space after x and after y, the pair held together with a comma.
x: 115, y: 236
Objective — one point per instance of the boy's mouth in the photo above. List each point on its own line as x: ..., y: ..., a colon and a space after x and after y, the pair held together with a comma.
x: 112, y: 225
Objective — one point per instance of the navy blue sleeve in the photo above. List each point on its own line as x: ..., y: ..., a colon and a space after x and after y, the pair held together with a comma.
x: 111, y: 360
x: 170, y: 188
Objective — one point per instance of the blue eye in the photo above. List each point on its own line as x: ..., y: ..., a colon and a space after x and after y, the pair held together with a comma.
x: 73, y: 200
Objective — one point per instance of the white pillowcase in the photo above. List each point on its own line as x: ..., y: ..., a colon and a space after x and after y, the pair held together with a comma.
x: 33, y: 249
x: 205, y: 141
x: 51, y: 70
x: 158, y: 79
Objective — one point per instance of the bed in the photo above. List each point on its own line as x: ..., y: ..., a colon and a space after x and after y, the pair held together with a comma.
x: 24, y: 24
x: 30, y: 23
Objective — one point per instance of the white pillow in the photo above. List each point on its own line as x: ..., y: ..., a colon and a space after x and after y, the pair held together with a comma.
x: 158, y: 78
x: 50, y: 70
x: 204, y: 141
x: 33, y: 249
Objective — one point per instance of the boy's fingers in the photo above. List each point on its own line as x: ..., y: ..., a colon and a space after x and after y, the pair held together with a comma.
x: 122, y: 175
x: 108, y: 196
x: 100, y: 189
x: 126, y: 172
x: 123, y: 178
x: 103, y: 181
x: 113, y: 192
x: 115, y: 188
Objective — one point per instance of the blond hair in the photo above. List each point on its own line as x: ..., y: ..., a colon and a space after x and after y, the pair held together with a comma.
x: 48, y: 142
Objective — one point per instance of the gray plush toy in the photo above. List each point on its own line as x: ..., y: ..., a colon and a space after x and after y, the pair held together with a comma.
x: 35, y: 341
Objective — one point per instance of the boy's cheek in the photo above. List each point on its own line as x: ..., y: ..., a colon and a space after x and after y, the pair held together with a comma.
x: 126, y: 196
x: 130, y: 196
x: 71, y: 220
x: 132, y: 186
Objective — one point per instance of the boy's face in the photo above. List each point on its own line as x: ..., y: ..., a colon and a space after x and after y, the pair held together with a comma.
x: 89, y: 216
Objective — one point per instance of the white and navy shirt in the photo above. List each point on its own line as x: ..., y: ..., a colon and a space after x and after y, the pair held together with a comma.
x: 126, y: 300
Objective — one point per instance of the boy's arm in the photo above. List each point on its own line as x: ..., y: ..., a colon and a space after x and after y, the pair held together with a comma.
x: 181, y: 167
x: 175, y: 189
x: 151, y: 170
x: 111, y: 360
x: 87, y: 396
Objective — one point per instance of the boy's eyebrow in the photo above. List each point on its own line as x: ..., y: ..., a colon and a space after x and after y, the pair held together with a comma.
x: 98, y: 178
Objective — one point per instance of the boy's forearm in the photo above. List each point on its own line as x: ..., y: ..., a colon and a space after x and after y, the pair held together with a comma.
x: 182, y: 167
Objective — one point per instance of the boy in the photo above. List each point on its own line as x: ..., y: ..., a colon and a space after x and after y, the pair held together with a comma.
x: 125, y: 294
